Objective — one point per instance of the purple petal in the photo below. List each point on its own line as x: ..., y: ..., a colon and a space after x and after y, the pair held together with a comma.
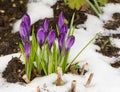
x: 23, y: 32
x: 64, y: 29
x: 27, y: 49
x: 70, y: 42
x: 41, y: 35
x: 51, y: 38
x: 45, y: 24
x: 60, y: 20
x: 26, y: 20
x: 61, y: 40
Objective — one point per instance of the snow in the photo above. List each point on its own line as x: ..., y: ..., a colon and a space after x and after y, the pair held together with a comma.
x: 105, y: 79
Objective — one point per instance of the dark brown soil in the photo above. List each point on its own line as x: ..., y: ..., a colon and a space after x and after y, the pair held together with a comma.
x: 116, y: 64
x: 14, y: 71
x: 9, y: 43
x: 116, y: 36
x: 113, y: 24
x: 106, y: 48
x: 10, y: 11
x: 114, y: 1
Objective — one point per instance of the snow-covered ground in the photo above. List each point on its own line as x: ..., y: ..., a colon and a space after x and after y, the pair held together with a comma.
x: 105, y: 79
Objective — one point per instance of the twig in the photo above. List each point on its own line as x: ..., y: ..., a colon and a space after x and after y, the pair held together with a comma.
x: 73, y: 86
x: 89, y: 80
x: 83, y: 69
x: 59, y: 77
x: 38, y: 89
x: 26, y: 79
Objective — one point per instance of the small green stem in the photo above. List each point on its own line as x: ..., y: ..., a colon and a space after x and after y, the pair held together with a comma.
x: 94, y: 8
x: 97, y: 6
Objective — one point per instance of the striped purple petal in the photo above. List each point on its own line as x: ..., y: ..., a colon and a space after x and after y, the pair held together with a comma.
x: 61, y: 40
x: 60, y: 20
x: 51, y: 38
x: 70, y: 42
x: 27, y: 49
x: 41, y: 35
x: 45, y: 24
x: 23, y: 32
x: 27, y: 21
x: 64, y: 29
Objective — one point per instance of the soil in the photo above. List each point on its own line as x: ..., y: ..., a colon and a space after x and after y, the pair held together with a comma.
x: 116, y: 36
x: 114, y: 23
x: 116, y: 64
x: 10, y: 11
x: 14, y: 71
x: 114, y: 1
x: 106, y: 48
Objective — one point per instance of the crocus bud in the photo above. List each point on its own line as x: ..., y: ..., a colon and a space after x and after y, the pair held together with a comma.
x: 27, y: 49
x: 23, y: 32
x: 61, y: 40
x: 45, y: 25
x: 41, y: 35
x: 64, y: 29
x: 26, y: 20
x: 70, y: 42
x: 60, y: 20
x: 51, y: 38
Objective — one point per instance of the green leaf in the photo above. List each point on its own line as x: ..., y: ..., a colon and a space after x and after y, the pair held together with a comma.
x: 102, y: 2
x: 76, y: 4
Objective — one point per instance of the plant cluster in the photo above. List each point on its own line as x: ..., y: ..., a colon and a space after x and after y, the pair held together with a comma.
x: 48, y: 49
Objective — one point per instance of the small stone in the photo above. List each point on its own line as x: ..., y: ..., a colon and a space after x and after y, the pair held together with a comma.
x: 13, y: 5
x: 21, y: 2
x: 12, y: 0
x: 2, y: 11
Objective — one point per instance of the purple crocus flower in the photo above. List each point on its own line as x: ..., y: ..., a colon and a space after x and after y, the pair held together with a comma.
x: 60, y: 20
x: 41, y: 35
x: 27, y: 21
x: 70, y: 42
x: 64, y: 29
x: 45, y: 24
x: 51, y: 38
x: 27, y: 49
x: 61, y: 40
x: 23, y: 32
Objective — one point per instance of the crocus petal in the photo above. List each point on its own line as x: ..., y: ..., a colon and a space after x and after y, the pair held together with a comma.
x: 64, y: 29
x: 70, y: 42
x: 45, y: 24
x: 61, y: 40
x: 27, y: 49
x: 60, y: 20
x: 23, y: 32
x: 26, y: 20
x: 41, y: 37
x: 51, y: 38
